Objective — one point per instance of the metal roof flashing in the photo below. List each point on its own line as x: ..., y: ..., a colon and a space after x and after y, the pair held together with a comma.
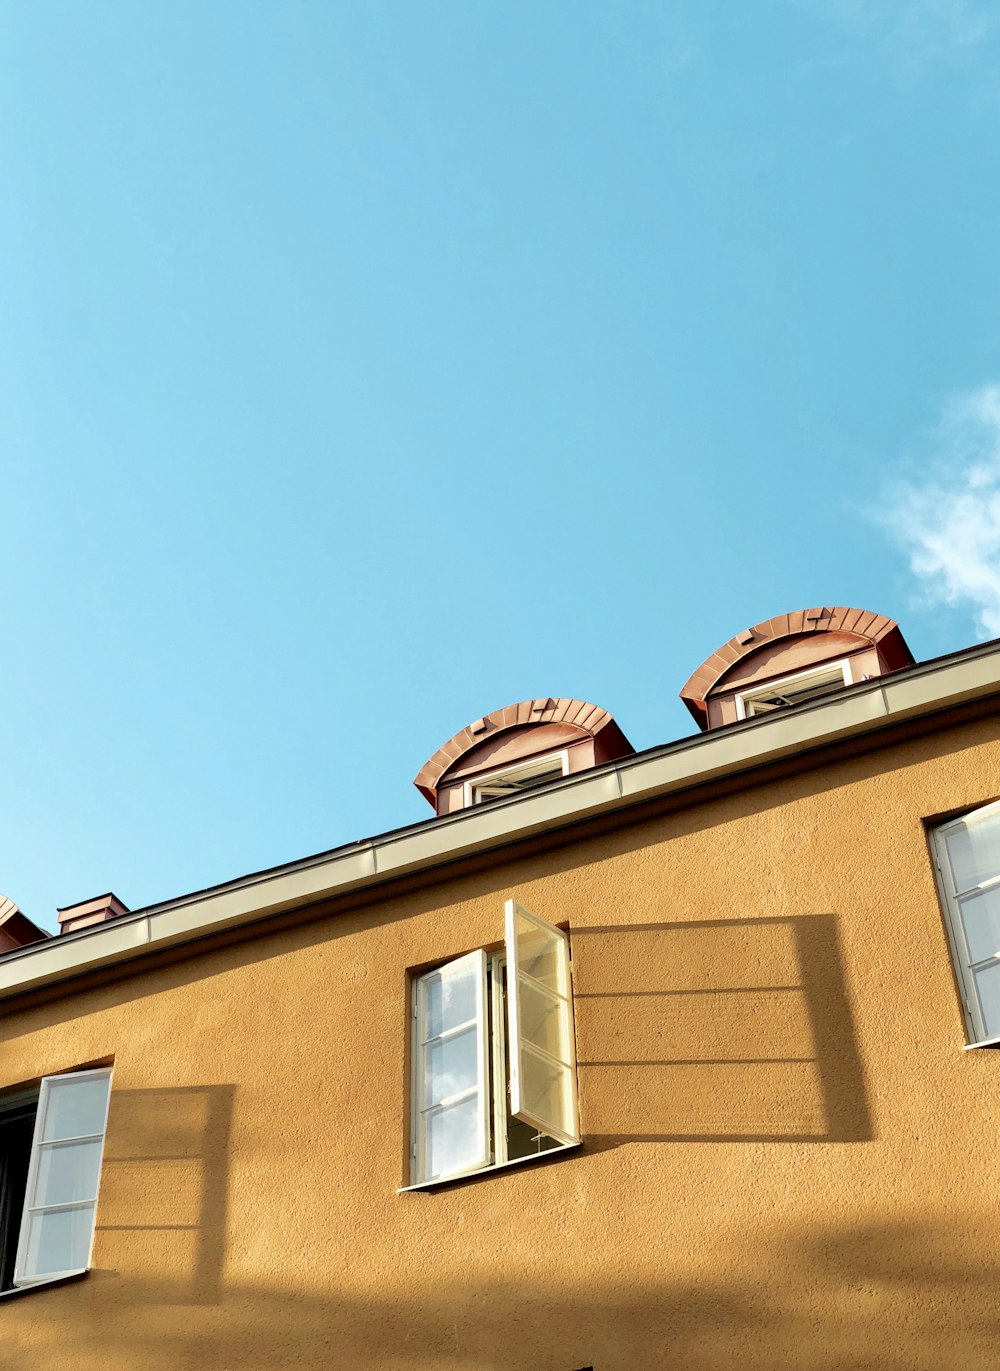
x: 920, y: 691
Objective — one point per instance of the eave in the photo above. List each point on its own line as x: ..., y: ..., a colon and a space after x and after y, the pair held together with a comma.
x: 917, y: 692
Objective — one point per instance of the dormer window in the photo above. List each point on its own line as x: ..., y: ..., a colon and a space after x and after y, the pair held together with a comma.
x: 793, y: 690
x: 511, y: 780
x: 791, y: 659
x: 517, y: 748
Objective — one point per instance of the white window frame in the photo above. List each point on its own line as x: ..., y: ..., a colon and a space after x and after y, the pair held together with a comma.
x: 499, y: 1077
x: 476, y: 963
x: 38, y: 1146
x: 522, y: 1048
x: 965, y: 967
x: 497, y: 1025
x: 472, y: 786
x: 745, y: 698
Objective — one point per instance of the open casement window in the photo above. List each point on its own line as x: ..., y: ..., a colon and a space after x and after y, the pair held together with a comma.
x: 967, y: 855
x: 64, y: 1171
x: 494, y: 1079
x: 540, y: 1025
x: 793, y: 690
x: 511, y: 780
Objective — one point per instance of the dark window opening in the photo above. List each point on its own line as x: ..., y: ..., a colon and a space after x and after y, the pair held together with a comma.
x: 17, y: 1124
x: 512, y: 780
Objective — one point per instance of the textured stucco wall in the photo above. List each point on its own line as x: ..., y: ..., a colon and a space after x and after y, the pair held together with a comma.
x: 789, y: 1160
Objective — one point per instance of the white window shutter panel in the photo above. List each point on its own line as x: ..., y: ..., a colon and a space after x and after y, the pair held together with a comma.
x: 64, y: 1173
x: 451, y: 1098
x: 973, y: 844
x: 540, y: 1025
x: 969, y: 859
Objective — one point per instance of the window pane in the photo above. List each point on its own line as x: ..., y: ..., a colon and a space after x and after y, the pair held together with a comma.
x: 450, y: 998
x: 974, y: 851
x: 544, y: 1020
x: 453, y: 1138
x: 988, y: 986
x: 545, y: 1092
x: 540, y: 953
x: 74, y: 1108
x: 807, y: 686
x: 59, y: 1241
x: 67, y: 1173
x: 451, y: 1065
x: 522, y: 779
x: 981, y: 921
x: 542, y: 1093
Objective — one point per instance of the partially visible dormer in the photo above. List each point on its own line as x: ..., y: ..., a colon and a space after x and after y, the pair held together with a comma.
x: 792, y: 659
x: 16, y: 929
x: 517, y: 748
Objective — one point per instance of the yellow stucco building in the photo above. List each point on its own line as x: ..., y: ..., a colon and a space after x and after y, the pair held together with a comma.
x: 670, y: 1059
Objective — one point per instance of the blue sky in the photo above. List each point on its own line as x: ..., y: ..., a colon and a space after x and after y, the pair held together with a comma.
x: 365, y: 367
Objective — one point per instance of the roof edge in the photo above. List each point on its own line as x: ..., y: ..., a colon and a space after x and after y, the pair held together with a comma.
x: 920, y: 691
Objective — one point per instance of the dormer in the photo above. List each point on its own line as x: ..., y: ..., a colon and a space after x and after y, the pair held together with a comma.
x: 517, y: 748
x: 792, y: 659
x: 16, y: 929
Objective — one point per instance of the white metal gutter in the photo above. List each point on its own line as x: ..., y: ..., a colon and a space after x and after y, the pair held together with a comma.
x: 922, y: 690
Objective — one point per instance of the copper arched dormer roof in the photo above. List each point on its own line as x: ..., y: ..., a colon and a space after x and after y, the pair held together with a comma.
x: 545, y: 717
x: 16, y: 930
x: 874, y: 630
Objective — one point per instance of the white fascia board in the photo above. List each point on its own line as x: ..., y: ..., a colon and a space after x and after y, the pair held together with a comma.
x: 909, y: 695
x: 736, y: 748
x: 198, y: 916
x: 498, y: 823
x: 65, y: 956
x: 219, y: 910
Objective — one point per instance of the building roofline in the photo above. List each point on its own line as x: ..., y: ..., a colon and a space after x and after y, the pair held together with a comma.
x: 911, y: 693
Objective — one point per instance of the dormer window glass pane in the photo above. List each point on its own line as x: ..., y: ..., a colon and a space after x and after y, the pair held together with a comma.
x: 513, y: 779
x: 793, y: 690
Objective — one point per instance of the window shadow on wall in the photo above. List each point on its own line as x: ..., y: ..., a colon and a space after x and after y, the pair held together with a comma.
x: 164, y: 1188
x: 887, y: 1295
x: 717, y: 1030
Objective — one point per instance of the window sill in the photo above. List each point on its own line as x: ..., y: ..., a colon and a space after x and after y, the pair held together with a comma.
x: 538, y: 1158
x: 983, y: 1042
x: 42, y: 1285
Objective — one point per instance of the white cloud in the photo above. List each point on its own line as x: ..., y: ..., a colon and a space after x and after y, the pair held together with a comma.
x: 916, y: 34
x: 949, y: 521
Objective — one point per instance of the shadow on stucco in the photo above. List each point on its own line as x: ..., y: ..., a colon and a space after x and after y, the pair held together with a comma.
x: 164, y: 1185
x: 717, y: 1030
x: 902, y: 1295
